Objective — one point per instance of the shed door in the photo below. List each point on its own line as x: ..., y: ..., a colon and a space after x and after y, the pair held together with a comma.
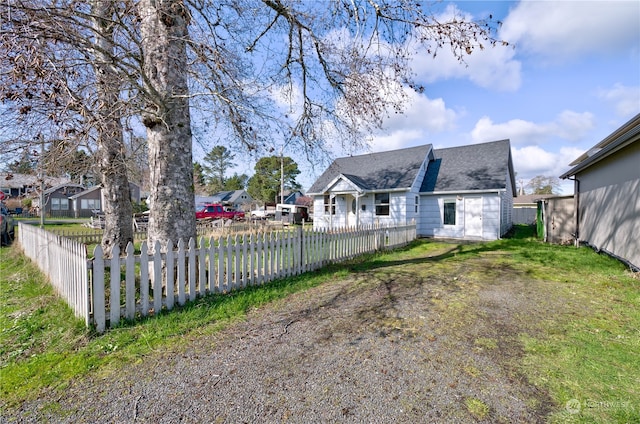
x: 473, y: 216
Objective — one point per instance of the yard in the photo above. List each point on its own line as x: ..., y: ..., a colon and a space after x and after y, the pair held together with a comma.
x: 506, y: 331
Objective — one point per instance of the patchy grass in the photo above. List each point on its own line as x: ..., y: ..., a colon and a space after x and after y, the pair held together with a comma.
x: 477, y: 408
x: 575, y: 334
x: 43, y: 346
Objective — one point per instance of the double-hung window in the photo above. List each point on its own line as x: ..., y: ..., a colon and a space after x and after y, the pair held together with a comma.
x: 382, y: 204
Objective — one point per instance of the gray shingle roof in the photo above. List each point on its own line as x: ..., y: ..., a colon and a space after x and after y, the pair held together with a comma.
x: 376, y: 171
x: 482, y: 166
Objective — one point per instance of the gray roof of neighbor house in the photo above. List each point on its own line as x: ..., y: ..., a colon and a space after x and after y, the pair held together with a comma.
x: 226, y: 196
x: 376, y: 171
x: 64, y: 186
x: 483, y: 166
x: 9, y: 180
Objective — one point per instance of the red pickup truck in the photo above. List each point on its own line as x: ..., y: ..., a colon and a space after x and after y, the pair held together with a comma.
x: 217, y: 211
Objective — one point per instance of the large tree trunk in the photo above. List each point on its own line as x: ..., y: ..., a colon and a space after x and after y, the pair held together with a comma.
x: 111, y: 151
x: 167, y: 119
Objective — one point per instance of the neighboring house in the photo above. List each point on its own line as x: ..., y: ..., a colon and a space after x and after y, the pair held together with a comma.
x: 236, y: 199
x: 16, y: 185
x: 85, y: 203
x: 607, y: 194
x: 290, y: 197
x: 461, y: 192
x: 57, y: 201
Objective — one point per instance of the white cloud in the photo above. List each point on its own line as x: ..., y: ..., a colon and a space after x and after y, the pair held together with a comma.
x: 421, y: 116
x: 531, y: 161
x: 491, y: 67
x: 568, y: 125
x: 562, y: 30
x: 625, y: 99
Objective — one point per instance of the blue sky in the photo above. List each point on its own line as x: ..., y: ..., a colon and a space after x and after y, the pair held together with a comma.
x: 570, y: 77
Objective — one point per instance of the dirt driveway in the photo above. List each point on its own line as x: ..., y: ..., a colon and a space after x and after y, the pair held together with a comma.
x: 412, y: 341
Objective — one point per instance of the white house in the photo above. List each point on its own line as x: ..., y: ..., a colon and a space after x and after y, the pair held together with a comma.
x: 461, y: 192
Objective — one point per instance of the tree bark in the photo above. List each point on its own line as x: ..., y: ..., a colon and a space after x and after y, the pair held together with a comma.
x: 111, y: 150
x: 167, y: 120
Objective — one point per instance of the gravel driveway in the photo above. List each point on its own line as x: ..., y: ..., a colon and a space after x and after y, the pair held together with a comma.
x: 410, y: 341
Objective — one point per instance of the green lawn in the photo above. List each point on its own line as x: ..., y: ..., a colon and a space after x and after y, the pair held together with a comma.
x: 586, y: 356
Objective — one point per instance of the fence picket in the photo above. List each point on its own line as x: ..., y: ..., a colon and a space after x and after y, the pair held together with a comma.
x: 228, y: 282
x: 114, y: 287
x: 258, y: 267
x: 212, y: 268
x: 202, y: 266
x: 220, y: 278
x: 237, y: 278
x: 181, y: 281
x: 157, y: 278
x: 245, y: 259
x: 130, y: 282
x: 169, y: 264
x: 98, y: 297
x: 144, y: 279
x: 192, y: 269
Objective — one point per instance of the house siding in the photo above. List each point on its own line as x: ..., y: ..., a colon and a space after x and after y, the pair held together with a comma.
x: 431, y: 219
x: 344, y: 218
x: 506, y: 206
x: 609, y: 204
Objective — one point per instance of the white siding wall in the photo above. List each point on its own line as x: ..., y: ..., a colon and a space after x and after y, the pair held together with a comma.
x: 507, y: 208
x: 491, y: 216
x: 430, y: 223
x: 398, y: 204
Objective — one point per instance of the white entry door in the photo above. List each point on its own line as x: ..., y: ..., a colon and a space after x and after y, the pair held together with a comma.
x: 473, y: 216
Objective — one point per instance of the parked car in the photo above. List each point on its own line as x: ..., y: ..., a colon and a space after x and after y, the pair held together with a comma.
x: 218, y: 211
x: 6, y: 226
x: 262, y: 213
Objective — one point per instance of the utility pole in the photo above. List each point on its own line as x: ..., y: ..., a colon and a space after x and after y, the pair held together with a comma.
x: 282, y: 175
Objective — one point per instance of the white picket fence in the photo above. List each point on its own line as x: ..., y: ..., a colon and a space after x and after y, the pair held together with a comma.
x: 64, y: 261
x: 137, y: 285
